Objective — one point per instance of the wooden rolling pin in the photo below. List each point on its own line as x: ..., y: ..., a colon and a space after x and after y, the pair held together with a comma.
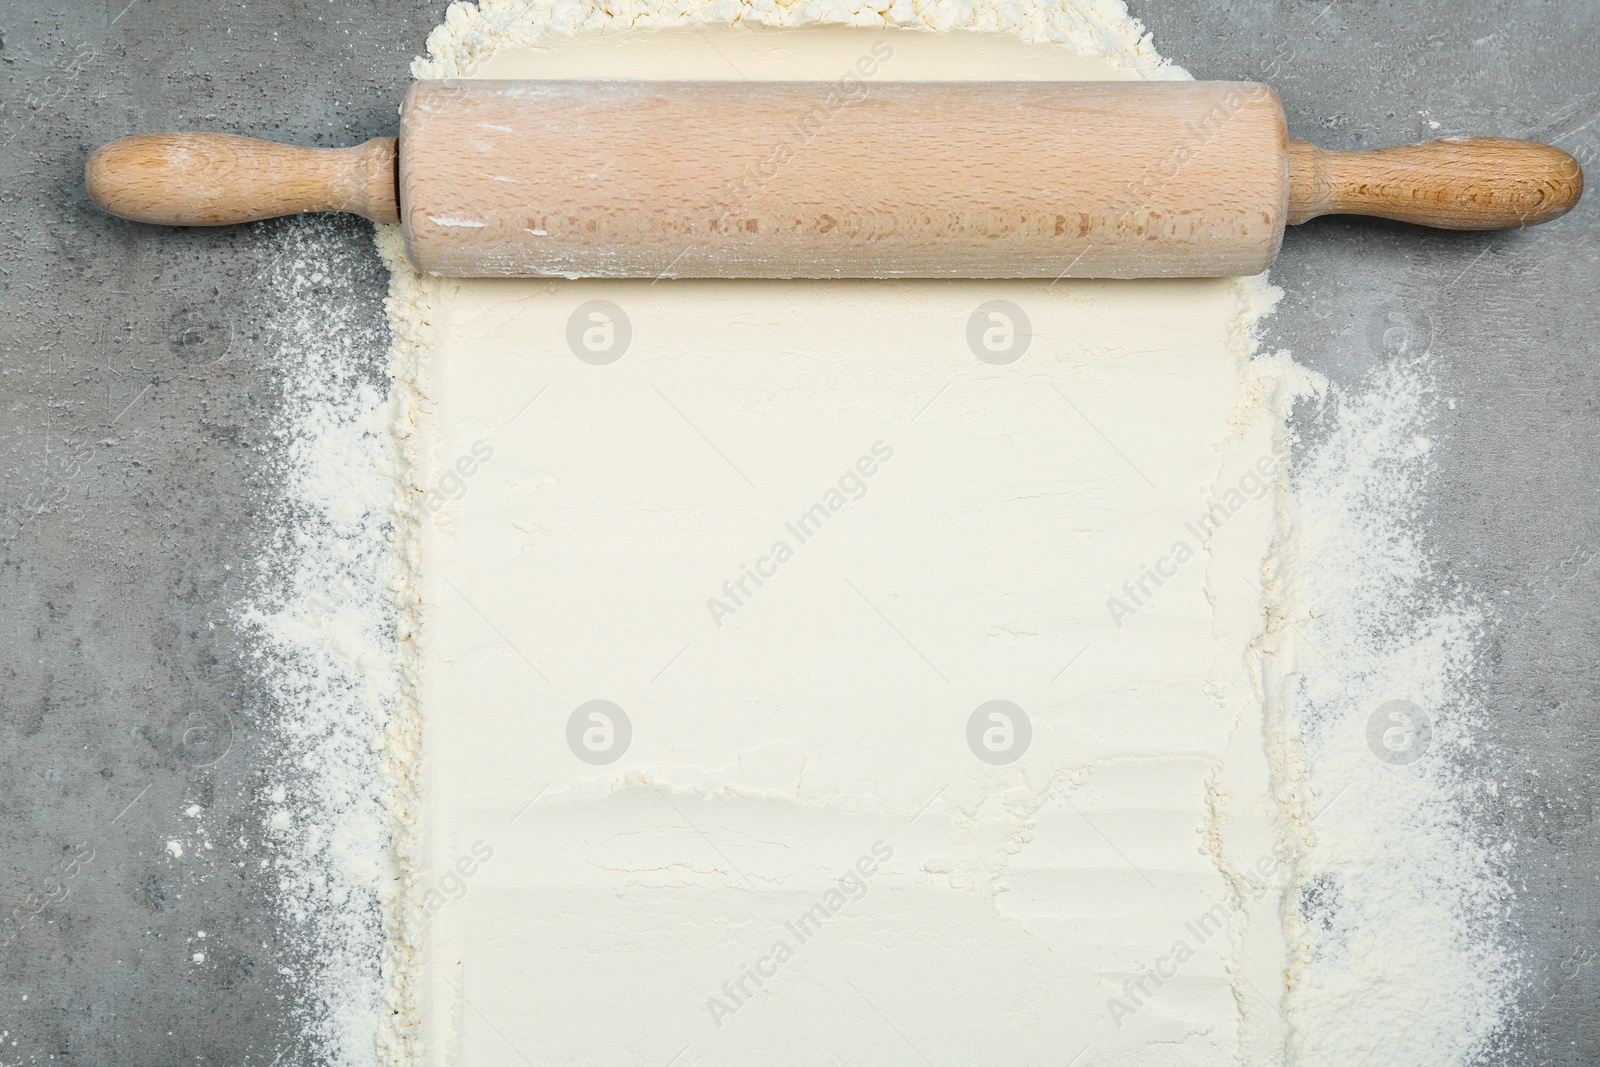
x: 792, y: 180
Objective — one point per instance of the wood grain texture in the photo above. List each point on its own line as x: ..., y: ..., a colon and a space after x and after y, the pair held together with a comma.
x: 1477, y: 183
x: 796, y: 180
x: 212, y: 179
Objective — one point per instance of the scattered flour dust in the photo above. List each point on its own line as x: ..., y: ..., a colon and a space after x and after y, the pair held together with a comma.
x: 1393, y: 918
x: 1391, y: 914
x: 330, y: 621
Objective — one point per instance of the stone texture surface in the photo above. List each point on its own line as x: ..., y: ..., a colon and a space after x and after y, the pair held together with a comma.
x: 140, y: 387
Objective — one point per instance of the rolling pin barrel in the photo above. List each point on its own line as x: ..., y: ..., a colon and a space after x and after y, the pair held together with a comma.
x: 803, y: 180
x: 792, y: 180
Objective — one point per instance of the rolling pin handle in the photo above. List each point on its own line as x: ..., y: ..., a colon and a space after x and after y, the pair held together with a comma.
x: 216, y: 179
x: 1471, y: 183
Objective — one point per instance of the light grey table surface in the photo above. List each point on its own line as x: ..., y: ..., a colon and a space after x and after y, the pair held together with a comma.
x: 141, y: 474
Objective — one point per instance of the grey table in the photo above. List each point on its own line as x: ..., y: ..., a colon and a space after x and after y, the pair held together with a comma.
x: 141, y: 471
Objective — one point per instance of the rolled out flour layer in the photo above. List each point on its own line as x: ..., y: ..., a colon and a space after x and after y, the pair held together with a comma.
x: 921, y: 614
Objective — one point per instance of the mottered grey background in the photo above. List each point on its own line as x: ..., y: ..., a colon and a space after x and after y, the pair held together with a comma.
x: 141, y: 388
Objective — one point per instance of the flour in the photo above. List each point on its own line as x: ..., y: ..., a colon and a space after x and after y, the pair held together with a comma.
x: 330, y: 644
x: 472, y: 33
x: 1391, y: 904
x: 1395, y: 907
x: 932, y: 619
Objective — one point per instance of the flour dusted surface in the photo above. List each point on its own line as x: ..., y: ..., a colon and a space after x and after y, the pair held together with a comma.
x: 1390, y: 914
x: 780, y: 680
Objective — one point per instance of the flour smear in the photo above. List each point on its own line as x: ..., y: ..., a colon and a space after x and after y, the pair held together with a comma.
x: 1393, y: 904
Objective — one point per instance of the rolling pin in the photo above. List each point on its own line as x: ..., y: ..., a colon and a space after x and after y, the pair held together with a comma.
x: 724, y: 179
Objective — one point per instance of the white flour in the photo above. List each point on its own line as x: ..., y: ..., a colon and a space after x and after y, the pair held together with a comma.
x: 1392, y: 918
x: 1396, y: 906
x: 331, y: 646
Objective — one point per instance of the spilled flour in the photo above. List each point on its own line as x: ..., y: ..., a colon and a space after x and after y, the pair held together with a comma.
x: 329, y: 622
x: 1388, y: 905
x: 1395, y: 906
